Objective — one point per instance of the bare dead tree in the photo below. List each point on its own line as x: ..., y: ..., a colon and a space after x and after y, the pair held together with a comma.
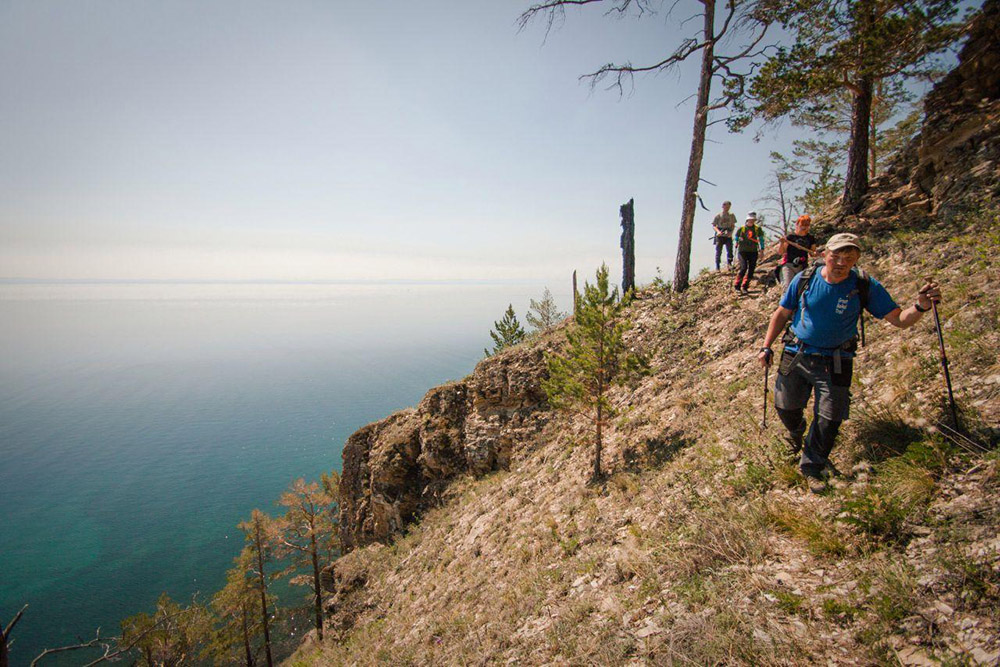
x: 777, y: 196
x: 5, y: 636
x: 106, y: 644
x: 738, y: 17
x: 112, y: 646
x: 627, y: 212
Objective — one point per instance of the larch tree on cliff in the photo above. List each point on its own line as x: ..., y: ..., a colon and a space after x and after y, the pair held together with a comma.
x: 260, y: 534
x: 308, y: 534
x: 172, y: 635
x: 853, y: 46
x: 720, y: 21
x: 235, y: 607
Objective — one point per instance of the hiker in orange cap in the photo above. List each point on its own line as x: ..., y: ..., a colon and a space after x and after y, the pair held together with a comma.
x: 796, y: 249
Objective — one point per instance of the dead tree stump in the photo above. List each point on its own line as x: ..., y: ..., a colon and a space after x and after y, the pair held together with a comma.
x: 627, y: 212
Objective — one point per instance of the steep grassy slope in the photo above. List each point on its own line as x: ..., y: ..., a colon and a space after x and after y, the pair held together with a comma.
x: 703, y: 546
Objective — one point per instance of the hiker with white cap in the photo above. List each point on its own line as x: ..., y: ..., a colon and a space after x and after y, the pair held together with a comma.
x: 824, y: 304
x: 749, y: 243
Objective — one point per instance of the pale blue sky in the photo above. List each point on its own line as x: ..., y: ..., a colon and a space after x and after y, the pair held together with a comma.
x: 319, y: 140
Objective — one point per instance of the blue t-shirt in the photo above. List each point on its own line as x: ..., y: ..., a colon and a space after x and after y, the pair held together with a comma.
x: 830, y: 314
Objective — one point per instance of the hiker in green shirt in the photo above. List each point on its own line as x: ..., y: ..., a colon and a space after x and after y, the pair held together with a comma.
x: 723, y: 224
x: 749, y: 243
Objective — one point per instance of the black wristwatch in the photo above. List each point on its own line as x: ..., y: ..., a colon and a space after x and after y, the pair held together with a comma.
x: 919, y: 309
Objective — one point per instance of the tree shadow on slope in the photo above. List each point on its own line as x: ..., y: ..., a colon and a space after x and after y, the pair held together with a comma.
x: 655, y: 452
x: 881, y: 433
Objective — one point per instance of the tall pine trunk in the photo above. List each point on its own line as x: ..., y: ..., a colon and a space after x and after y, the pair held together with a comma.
x: 856, y: 180
x: 248, y: 653
x: 873, y: 144
x: 263, y: 598
x: 599, y: 443
x: 318, y: 600
x: 682, y: 268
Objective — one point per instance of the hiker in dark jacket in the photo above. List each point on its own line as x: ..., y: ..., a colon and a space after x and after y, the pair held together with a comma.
x: 818, y: 355
x: 796, y: 250
x: 749, y: 243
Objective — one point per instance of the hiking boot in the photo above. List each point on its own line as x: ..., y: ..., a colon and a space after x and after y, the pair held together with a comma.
x: 737, y: 288
x: 793, y: 443
x: 745, y: 290
x: 816, y: 485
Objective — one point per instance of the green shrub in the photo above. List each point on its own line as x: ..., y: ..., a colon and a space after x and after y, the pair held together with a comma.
x: 877, y: 514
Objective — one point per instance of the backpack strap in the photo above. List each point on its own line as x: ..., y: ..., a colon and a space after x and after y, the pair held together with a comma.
x: 805, y: 280
x: 864, y: 289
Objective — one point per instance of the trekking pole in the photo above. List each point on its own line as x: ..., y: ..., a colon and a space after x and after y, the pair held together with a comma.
x: 766, y: 369
x: 944, y: 364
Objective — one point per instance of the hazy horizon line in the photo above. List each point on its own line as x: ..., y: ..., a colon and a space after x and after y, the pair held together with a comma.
x: 268, y: 281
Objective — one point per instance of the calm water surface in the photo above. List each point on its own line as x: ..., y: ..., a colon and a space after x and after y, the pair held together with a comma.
x: 140, y: 423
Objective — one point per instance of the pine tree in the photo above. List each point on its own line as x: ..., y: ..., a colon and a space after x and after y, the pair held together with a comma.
x: 506, y: 332
x: 544, y: 314
x: 815, y: 164
x: 851, y: 46
x: 596, y: 360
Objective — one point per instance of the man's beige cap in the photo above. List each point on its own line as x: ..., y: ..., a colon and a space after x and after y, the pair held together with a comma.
x: 838, y: 241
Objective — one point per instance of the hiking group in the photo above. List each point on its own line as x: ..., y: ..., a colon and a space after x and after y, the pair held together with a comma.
x: 795, y: 248
x: 817, y: 320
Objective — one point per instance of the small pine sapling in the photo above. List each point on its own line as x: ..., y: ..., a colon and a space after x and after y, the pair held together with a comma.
x: 506, y: 333
x: 544, y: 314
x: 596, y: 359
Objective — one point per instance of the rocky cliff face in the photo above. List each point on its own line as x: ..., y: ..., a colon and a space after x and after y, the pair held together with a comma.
x: 957, y: 152
x: 399, y: 466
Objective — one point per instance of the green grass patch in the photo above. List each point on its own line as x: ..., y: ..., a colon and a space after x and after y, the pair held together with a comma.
x: 839, y: 611
x: 753, y: 478
x: 820, y: 536
x: 789, y: 602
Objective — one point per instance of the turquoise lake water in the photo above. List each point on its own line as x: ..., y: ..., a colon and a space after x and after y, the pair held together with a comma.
x: 139, y: 423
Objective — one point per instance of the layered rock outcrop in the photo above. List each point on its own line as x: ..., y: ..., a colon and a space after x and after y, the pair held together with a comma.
x: 398, y: 466
x: 958, y: 149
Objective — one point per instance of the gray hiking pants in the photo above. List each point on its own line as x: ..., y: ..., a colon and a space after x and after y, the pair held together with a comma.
x: 800, y: 377
x: 788, y: 271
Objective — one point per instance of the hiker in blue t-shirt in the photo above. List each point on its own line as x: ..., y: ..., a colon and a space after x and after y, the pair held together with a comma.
x: 819, y: 356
